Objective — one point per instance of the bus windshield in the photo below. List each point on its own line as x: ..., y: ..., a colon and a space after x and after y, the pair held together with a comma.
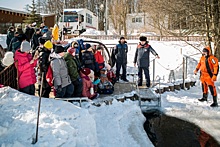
x: 69, y: 18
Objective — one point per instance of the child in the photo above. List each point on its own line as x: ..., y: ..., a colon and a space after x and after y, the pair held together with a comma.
x: 88, y: 89
x: 25, y: 66
x: 105, y: 86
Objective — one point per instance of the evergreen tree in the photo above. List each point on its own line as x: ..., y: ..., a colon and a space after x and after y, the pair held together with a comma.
x: 33, y: 16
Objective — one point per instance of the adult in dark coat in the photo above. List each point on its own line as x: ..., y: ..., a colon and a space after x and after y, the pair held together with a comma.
x: 35, y: 39
x: 44, y: 63
x: 120, y: 52
x: 29, y: 31
x: 142, y: 58
x: 16, y: 41
x: 10, y: 35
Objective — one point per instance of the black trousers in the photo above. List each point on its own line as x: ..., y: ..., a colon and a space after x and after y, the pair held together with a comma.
x: 118, y: 68
x: 45, y: 91
x: 29, y: 89
x: 146, y: 73
x: 78, y: 87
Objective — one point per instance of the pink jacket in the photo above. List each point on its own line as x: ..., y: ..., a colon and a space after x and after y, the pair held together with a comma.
x: 87, y: 84
x: 26, y: 73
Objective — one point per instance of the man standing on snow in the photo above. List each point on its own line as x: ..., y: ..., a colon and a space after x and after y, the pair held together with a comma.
x: 208, y: 66
x: 121, y: 58
x: 142, y: 58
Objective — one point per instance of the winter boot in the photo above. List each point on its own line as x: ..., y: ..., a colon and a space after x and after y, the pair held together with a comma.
x: 214, y: 104
x: 204, y: 98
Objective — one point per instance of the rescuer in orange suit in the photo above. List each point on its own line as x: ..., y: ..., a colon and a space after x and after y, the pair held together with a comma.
x: 208, y: 66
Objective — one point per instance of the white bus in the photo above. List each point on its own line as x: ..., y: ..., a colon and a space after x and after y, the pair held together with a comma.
x: 76, y: 21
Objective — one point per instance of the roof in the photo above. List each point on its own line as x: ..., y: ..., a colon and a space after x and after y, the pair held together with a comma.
x: 76, y: 10
x: 12, y: 10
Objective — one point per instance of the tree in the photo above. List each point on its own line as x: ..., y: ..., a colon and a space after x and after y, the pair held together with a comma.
x: 33, y: 16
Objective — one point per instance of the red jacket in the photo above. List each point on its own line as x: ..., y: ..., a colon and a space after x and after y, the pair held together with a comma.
x: 99, y: 59
x: 87, y: 84
x: 26, y: 73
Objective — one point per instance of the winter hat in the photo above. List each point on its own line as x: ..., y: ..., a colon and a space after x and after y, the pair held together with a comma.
x: 8, y: 59
x: 45, y: 29
x: 75, y: 44
x: 71, y: 50
x: 48, y: 45
x: 99, y: 47
x: 37, y: 29
x: 143, y: 38
x: 59, y: 49
x: 86, y: 71
x: 41, y: 40
x: 87, y: 46
x: 11, y: 27
x: 25, y: 46
x: 122, y: 38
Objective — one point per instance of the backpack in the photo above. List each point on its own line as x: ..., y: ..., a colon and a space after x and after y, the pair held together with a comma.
x: 111, y: 76
x: 49, y: 76
x: 105, y: 87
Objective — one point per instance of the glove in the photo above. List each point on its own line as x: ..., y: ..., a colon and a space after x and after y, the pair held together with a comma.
x: 195, y: 72
x: 214, y: 78
x: 59, y: 88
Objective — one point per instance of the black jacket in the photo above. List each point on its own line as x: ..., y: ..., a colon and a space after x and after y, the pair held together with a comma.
x: 121, y: 53
x: 142, y: 55
x: 35, y: 41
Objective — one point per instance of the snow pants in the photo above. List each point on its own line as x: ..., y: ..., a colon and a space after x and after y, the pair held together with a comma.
x: 207, y: 82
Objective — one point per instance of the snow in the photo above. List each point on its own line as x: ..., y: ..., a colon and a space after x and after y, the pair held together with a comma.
x: 120, y: 124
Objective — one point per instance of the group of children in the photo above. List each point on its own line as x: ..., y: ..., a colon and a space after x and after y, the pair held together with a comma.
x: 75, y: 72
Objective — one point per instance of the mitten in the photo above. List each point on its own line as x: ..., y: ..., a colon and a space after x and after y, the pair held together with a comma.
x: 214, y: 78
x: 59, y: 88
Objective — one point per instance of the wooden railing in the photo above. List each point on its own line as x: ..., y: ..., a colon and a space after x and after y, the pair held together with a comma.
x: 8, y: 77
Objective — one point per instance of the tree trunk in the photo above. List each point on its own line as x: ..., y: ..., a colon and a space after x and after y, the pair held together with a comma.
x: 216, y: 26
x: 207, y: 20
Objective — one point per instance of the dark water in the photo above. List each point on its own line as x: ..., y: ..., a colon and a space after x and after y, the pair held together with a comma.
x: 166, y: 131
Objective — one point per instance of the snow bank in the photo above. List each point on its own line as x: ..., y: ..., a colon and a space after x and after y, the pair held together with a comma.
x: 64, y: 124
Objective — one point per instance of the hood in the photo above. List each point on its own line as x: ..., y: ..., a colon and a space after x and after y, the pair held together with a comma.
x: 55, y: 55
x: 19, y: 53
x: 209, y: 49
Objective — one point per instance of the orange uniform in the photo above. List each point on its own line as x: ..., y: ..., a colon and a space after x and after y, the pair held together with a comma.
x: 208, y: 66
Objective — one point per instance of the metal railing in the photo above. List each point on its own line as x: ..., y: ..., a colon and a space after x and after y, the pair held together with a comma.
x: 154, y: 38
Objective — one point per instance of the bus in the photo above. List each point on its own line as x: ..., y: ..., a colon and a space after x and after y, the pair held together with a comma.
x: 76, y: 21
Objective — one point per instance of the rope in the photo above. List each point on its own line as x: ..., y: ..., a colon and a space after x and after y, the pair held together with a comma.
x: 170, y: 69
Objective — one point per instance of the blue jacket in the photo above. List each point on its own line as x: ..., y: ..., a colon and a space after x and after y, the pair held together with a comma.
x: 121, y: 53
x: 142, y: 55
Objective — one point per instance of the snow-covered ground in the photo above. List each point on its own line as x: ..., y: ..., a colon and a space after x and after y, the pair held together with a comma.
x: 119, y: 124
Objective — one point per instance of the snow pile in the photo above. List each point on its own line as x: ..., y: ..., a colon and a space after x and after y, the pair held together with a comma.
x: 64, y: 124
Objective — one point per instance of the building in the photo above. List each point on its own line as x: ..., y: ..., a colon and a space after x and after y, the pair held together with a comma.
x: 9, y: 17
x: 137, y: 23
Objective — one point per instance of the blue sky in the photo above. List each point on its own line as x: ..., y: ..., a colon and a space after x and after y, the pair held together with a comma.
x: 15, y: 4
